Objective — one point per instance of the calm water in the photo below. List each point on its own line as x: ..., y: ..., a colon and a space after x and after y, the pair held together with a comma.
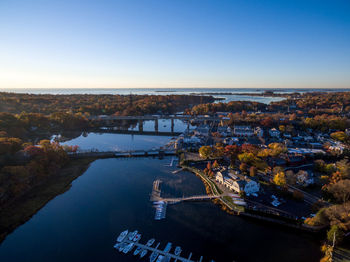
x: 167, y: 91
x: 113, y: 195
x: 103, y: 141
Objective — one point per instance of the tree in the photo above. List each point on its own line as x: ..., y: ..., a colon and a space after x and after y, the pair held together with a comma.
x: 205, y: 152
x: 335, y: 234
x: 216, y: 164
x: 291, y: 177
x: 252, y: 171
x: 232, y: 151
x: 280, y: 179
x: 246, y: 157
x: 340, y: 136
x: 340, y: 190
x: 344, y: 168
x: 243, y: 167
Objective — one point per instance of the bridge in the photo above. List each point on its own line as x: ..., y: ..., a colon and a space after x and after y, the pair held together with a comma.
x: 127, y: 153
x: 111, y: 119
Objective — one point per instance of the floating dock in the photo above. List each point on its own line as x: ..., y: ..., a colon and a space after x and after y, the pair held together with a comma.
x: 150, y: 249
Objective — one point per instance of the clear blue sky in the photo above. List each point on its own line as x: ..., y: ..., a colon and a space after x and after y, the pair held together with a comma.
x: 174, y: 43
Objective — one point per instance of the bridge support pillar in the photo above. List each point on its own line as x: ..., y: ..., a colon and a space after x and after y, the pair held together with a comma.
x: 156, y: 125
x: 140, y: 125
x: 172, y: 125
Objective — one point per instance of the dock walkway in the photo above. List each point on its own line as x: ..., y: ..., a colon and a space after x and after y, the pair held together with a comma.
x: 160, y: 252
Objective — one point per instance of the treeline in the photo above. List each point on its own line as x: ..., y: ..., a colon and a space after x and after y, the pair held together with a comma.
x: 315, y: 103
x: 39, y: 163
x: 233, y: 106
x: 98, y: 104
x: 25, y: 124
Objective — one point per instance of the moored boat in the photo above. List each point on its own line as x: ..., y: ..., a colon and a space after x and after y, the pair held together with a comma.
x: 128, y: 248
x: 153, y: 256
x: 122, y: 246
x: 132, y: 235
x: 167, y: 247
x: 137, y: 237
x: 160, y: 258
x: 122, y: 236
x: 150, y: 242
x: 137, y: 251
x: 143, y: 253
x: 177, y: 251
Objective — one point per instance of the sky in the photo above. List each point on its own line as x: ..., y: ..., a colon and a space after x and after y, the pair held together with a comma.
x: 175, y: 43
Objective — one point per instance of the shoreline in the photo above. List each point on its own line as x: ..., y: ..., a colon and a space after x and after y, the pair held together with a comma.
x: 22, y: 209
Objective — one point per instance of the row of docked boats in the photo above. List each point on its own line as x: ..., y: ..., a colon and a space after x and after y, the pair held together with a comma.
x: 126, y: 241
x: 160, y: 207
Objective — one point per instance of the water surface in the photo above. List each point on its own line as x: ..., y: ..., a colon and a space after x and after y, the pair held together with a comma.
x: 113, y: 195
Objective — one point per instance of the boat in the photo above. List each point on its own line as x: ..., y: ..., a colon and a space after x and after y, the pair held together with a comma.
x: 137, y: 251
x: 143, y: 253
x: 150, y: 242
x: 122, y: 236
x: 122, y: 246
x: 132, y: 235
x: 117, y: 245
x: 128, y: 248
x: 177, y: 251
x: 167, y: 247
x: 160, y: 258
x: 153, y: 256
x: 137, y: 237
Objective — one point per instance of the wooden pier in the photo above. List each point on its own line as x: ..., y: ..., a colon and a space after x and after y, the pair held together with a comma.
x: 159, y: 251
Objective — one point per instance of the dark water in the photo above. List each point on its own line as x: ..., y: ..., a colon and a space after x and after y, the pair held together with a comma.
x: 113, y: 195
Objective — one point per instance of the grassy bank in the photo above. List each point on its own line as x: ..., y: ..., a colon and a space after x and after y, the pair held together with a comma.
x: 26, y: 206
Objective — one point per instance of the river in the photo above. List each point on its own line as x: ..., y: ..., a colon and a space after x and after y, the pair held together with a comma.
x: 113, y: 195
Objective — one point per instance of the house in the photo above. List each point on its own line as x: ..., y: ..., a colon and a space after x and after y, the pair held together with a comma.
x: 243, y: 131
x: 347, y: 131
x: 259, y: 131
x: 202, y: 130
x: 237, y: 182
x: 274, y: 132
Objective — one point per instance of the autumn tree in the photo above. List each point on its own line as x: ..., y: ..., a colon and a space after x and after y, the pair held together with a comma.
x: 205, y: 152
x: 280, y: 179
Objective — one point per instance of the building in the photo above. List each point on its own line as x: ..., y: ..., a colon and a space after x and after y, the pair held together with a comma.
x: 237, y: 183
x: 274, y: 132
x: 259, y: 131
x: 243, y: 131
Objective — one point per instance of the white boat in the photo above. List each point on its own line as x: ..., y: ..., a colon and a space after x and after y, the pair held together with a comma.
x: 137, y: 237
x: 177, y: 251
x: 117, y: 245
x: 132, y: 235
x: 128, y: 248
x: 153, y: 256
x: 143, y: 253
x: 122, y: 246
x: 137, y: 251
x: 160, y: 258
x: 150, y: 242
x: 122, y: 236
x: 167, y: 247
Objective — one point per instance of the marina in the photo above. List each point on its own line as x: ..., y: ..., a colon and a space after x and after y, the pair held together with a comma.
x: 129, y: 242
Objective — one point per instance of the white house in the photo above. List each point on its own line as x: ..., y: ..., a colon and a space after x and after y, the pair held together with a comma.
x: 238, y: 183
x: 243, y: 131
x: 274, y: 132
x: 259, y: 131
